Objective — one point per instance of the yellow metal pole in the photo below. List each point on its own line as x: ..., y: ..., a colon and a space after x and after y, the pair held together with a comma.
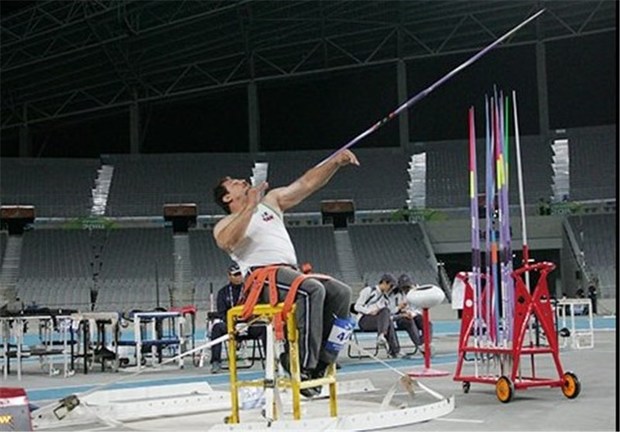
x: 333, y: 402
x: 292, y: 336
x: 266, y: 311
x: 232, y: 364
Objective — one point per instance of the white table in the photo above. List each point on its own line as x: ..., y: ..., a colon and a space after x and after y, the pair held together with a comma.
x: 53, y: 332
x: 566, y: 310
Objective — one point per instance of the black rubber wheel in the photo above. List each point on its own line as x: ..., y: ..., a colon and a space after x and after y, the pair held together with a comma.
x: 571, y: 387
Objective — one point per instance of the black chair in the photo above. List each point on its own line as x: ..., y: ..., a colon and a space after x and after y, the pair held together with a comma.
x: 245, y: 343
x: 356, y: 330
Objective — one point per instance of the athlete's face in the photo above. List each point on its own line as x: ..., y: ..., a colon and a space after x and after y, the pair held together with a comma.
x: 237, y: 188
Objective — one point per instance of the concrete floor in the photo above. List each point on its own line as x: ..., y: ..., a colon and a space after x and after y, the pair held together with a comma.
x: 534, y: 409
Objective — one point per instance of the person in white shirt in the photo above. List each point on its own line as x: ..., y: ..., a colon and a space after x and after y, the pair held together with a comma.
x: 373, y: 308
x: 254, y: 235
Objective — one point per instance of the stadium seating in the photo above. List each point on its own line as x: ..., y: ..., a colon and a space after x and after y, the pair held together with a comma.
x: 391, y: 247
x: 597, y: 237
x: 447, y: 183
x: 56, y: 187
x: 142, y: 184
x: 58, y: 264
x: 593, y: 151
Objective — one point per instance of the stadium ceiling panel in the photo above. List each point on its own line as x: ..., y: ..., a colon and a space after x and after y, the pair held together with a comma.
x: 66, y: 58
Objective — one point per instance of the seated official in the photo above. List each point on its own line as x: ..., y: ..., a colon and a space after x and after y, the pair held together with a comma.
x: 373, y: 308
x: 227, y: 297
x: 405, y: 316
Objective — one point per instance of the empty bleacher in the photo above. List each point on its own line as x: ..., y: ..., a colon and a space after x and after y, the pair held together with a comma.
x: 142, y: 184
x: 135, y: 263
x: 56, y: 253
x: 597, y: 236
x: 447, y: 182
x: 593, y: 162
x: 3, y: 240
x: 55, y: 267
x: 380, y: 182
x: 209, y: 263
x: 61, y: 292
x: 56, y: 187
x: 139, y: 253
x: 391, y: 247
x: 125, y: 294
x: 316, y: 244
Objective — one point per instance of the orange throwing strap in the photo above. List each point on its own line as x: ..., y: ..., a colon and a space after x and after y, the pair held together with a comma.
x: 253, y: 287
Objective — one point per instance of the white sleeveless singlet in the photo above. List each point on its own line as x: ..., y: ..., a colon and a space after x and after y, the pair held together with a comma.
x: 266, y: 241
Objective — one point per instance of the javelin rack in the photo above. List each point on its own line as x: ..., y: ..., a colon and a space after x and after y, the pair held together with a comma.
x: 501, y: 365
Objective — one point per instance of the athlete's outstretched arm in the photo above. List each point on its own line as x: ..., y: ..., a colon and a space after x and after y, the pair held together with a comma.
x: 312, y: 180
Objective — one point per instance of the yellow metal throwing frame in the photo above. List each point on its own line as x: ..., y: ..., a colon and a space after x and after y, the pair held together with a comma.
x: 267, y: 313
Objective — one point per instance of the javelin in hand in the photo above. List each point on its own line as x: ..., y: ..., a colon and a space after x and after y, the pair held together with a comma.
x: 432, y: 87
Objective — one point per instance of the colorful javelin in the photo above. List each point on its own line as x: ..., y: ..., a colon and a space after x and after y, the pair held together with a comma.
x: 526, y: 251
x: 502, y: 214
x: 409, y: 103
x: 491, y: 285
x: 475, y: 221
x: 508, y: 267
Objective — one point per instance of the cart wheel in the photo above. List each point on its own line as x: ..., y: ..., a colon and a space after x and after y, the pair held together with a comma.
x: 504, y: 389
x: 466, y: 386
x: 570, y: 385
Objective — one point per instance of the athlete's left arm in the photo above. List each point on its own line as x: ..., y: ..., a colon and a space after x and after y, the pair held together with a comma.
x: 311, y: 181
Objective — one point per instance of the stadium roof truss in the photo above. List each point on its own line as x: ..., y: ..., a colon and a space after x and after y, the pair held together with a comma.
x: 67, y: 58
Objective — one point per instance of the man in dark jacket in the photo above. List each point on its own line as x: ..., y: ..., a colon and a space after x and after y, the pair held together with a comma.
x: 227, y: 297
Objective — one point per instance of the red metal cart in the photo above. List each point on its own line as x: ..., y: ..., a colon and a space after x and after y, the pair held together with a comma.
x: 501, y: 365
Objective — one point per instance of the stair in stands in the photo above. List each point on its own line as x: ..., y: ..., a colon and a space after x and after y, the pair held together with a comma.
x: 10, y: 269
x: 102, y: 190
x: 346, y: 259
x: 183, y: 282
